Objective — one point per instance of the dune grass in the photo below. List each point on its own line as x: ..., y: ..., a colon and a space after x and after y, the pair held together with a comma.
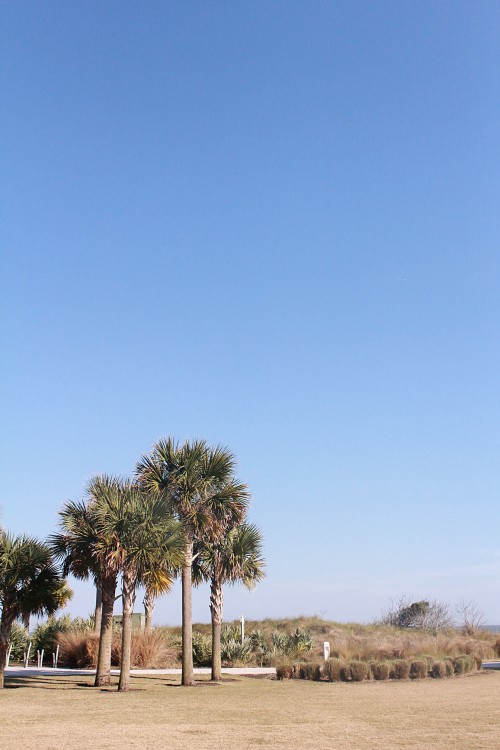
x: 49, y: 712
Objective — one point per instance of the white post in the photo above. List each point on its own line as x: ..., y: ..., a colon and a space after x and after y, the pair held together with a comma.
x: 55, y: 657
x: 39, y: 658
x: 27, y: 655
x: 242, y: 620
x: 8, y: 655
x: 326, y: 650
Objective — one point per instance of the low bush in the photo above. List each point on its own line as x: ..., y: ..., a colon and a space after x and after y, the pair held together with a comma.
x: 464, y: 664
x: 284, y: 672
x: 354, y: 671
x: 496, y: 648
x: 380, y: 670
x: 450, y: 669
x: 438, y: 670
x: 400, y: 669
x: 479, y: 662
x: 331, y: 670
x: 311, y: 671
x: 298, y: 671
x: 418, y: 669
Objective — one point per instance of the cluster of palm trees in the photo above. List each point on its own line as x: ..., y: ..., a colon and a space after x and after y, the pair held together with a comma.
x: 184, y: 512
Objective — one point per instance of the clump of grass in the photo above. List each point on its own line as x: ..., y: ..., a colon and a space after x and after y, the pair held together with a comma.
x: 331, y: 670
x: 380, y: 670
x: 149, y: 650
x: 464, y: 664
x: 496, y: 647
x: 354, y: 671
x: 284, y: 672
x: 311, y: 671
x: 449, y: 666
x: 438, y: 670
x: 418, y: 669
x: 400, y: 669
x: 78, y: 649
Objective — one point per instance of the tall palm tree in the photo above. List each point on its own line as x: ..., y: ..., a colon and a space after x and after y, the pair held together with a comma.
x: 85, y: 551
x: 234, y: 556
x: 30, y: 583
x: 148, y: 544
x: 194, y: 479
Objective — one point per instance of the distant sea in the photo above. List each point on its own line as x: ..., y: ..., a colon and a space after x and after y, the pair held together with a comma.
x: 492, y: 628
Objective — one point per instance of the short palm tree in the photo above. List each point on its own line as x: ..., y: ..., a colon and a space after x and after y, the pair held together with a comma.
x: 30, y: 584
x: 194, y: 479
x: 236, y: 556
x: 86, y: 551
x: 148, y: 546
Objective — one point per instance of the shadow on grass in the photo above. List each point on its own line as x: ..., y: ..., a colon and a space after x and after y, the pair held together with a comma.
x: 39, y: 683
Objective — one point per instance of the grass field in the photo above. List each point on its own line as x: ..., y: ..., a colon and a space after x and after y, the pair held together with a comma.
x: 45, y: 713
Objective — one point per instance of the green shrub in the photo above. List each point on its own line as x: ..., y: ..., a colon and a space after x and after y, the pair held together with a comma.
x: 234, y: 652
x: 418, y: 669
x: 284, y: 672
x: 19, y: 641
x: 45, y: 635
x: 331, y: 670
x: 400, y: 669
x: 438, y: 670
x: 202, y: 650
x: 380, y: 670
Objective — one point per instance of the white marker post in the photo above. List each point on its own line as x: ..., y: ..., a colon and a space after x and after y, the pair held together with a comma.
x: 27, y: 655
x: 242, y: 620
x: 39, y: 658
x: 8, y: 655
x: 55, y: 657
x: 326, y: 650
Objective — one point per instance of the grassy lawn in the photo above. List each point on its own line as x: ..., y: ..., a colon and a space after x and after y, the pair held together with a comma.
x: 45, y: 713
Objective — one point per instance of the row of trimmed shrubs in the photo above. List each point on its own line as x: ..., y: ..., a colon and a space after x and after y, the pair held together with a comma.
x: 335, y: 670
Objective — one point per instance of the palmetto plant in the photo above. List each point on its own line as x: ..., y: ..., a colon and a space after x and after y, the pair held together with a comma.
x: 194, y: 479
x: 87, y: 552
x: 30, y: 583
x: 234, y: 556
x: 147, y: 544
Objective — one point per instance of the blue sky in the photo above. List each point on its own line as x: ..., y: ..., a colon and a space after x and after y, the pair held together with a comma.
x: 273, y: 225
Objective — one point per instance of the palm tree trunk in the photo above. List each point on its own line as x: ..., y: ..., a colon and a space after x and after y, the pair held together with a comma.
x: 5, y: 631
x: 187, y: 613
x: 3, y: 659
x: 128, y: 597
x: 149, y: 605
x: 216, y: 602
x: 103, y: 672
x: 98, y: 609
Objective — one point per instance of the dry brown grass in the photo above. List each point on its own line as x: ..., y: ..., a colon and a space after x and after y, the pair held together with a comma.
x: 456, y: 714
x: 352, y: 641
x: 148, y: 650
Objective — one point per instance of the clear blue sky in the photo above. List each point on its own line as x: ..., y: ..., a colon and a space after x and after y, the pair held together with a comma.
x: 274, y: 225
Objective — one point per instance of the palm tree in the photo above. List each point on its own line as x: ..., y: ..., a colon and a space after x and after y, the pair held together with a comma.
x: 194, y: 480
x: 85, y: 552
x: 155, y: 585
x: 147, y: 544
x: 234, y: 556
x: 30, y: 583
